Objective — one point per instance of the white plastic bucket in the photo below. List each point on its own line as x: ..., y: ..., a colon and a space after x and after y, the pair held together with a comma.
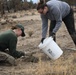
x: 50, y: 48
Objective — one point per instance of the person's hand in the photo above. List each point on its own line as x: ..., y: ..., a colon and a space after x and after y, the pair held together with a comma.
x: 22, y: 53
x: 42, y: 40
x: 53, y: 36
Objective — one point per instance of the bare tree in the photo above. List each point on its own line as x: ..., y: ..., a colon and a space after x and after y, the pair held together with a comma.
x: 2, y: 8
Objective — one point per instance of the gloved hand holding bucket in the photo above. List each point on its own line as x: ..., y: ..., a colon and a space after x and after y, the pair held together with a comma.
x: 50, y: 48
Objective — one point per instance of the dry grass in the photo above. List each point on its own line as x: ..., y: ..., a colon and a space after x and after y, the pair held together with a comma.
x: 65, y: 65
x: 30, y: 33
x: 57, y: 67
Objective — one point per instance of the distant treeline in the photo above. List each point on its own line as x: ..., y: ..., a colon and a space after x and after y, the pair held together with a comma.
x: 16, y: 5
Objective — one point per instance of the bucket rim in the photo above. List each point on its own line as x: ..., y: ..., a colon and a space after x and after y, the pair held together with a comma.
x: 47, y: 40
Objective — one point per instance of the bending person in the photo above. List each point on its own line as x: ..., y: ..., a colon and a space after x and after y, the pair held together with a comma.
x: 56, y: 11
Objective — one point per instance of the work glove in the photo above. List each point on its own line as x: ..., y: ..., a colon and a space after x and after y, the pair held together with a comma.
x: 42, y: 40
x: 53, y: 36
x: 22, y: 53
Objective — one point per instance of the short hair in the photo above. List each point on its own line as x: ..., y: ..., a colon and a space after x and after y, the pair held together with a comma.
x: 41, y: 5
x: 14, y: 27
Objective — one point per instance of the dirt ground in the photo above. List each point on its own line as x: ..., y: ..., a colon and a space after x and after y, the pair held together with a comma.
x: 65, y: 65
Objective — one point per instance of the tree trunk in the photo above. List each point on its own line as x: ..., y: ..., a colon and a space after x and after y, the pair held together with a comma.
x: 2, y: 9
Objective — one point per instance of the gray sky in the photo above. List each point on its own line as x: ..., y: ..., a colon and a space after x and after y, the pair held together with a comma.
x: 34, y: 1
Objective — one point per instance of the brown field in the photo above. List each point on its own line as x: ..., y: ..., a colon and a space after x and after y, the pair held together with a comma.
x: 65, y: 65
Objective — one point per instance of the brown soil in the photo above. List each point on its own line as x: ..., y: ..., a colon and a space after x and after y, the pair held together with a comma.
x: 65, y: 65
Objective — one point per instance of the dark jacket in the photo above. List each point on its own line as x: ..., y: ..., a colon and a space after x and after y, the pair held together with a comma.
x: 8, y: 40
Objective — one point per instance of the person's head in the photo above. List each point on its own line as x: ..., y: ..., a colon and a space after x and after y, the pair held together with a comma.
x: 42, y: 8
x: 19, y: 30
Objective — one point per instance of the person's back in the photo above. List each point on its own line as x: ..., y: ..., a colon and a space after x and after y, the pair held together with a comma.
x: 5, y: 39
x: 63, y: 7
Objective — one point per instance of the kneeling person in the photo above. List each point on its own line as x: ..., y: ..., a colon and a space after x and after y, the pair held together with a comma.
x: 8, y: 40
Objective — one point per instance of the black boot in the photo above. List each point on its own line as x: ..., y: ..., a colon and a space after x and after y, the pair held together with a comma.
x: 74, y: 38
